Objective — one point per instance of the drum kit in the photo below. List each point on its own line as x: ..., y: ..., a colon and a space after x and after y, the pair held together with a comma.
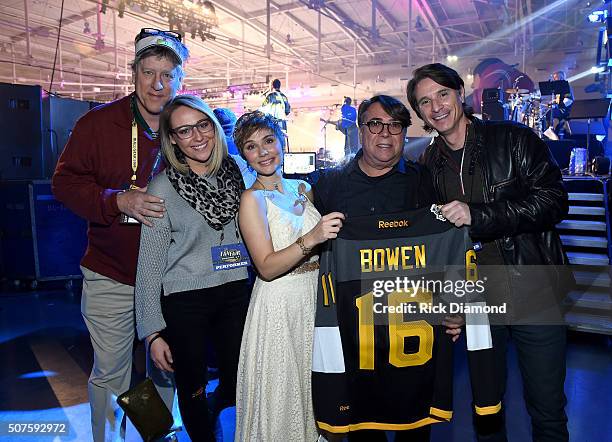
x: 529, y: 108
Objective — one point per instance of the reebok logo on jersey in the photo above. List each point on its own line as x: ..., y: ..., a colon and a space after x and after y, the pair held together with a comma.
x: 393, y: 224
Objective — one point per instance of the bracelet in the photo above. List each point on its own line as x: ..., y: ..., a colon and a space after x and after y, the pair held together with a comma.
x: 153, y: 340
x: 300, y: 242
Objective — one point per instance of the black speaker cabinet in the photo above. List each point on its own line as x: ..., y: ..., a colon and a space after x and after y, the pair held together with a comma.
x: 58, y: 119
x: 40, y: 238
x: 492, y: 94
x: 21, y: 154
x: 494, y: 110
x: 34, y: 130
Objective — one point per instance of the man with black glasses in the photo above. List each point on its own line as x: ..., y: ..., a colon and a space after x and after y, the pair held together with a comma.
x: 378, y: 181
x: 102, y: 175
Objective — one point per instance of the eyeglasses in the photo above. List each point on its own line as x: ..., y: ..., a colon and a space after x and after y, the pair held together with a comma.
x: 186, y: 131
x: 375, y: 127
x: 147, y: 32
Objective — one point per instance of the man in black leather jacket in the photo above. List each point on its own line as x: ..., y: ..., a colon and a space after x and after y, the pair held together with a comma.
x: 499, y: 179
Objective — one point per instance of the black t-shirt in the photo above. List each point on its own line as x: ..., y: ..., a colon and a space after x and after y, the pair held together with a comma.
x: 450, y: 183
x: 349, y: 190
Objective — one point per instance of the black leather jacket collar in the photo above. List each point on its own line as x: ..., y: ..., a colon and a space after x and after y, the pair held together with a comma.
x: 523, y: 192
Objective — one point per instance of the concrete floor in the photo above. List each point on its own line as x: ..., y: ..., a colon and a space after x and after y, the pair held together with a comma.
x: 46, y: 357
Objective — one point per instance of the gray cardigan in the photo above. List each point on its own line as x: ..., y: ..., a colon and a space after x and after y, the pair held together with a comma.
x: 175, y: 256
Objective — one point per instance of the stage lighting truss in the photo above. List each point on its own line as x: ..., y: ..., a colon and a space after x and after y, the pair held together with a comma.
x: 235, y: 91
x: 198, y: 17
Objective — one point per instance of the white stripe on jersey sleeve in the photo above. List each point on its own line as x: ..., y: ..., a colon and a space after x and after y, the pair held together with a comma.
x: 327, y: 355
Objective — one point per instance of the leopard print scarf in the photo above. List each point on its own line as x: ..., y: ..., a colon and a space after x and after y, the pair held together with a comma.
x: 218, y: 205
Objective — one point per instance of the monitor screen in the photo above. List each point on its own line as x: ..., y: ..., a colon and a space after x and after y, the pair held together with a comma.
x: 299, y: 163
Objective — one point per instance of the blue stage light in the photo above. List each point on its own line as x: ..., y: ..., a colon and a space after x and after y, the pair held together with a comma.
x: 597, y: 16
x: 38, y: 374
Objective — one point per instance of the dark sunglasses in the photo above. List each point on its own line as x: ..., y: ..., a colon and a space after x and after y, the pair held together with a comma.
x: 147, y: 32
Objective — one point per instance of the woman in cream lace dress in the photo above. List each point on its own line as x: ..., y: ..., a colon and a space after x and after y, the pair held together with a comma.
x: 280, y: 227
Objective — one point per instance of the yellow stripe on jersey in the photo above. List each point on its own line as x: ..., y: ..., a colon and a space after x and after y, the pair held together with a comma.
x: 444, y: 414
x: 483, y: 411
x: 331, y: 288
x: 379, y: 425
x: 325, y: 295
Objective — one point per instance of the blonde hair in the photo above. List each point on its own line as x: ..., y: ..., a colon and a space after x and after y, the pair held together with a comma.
x: 219, y: 152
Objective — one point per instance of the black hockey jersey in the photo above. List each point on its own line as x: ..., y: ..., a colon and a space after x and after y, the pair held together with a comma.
x: 381, y: 358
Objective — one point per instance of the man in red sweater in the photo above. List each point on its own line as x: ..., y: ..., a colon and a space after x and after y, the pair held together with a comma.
x: 102, y: 176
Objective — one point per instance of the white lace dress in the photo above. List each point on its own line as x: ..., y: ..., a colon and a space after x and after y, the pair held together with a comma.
x: 273, y: 395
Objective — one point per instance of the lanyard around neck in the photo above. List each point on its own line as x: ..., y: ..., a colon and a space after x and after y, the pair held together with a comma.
x: 134, y: 154
x: 152, y: 135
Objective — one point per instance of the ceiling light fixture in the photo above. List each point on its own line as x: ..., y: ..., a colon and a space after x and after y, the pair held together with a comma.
x: 197, y: 17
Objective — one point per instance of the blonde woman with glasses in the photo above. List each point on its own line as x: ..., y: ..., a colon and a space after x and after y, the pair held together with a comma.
x: 191, y: 282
